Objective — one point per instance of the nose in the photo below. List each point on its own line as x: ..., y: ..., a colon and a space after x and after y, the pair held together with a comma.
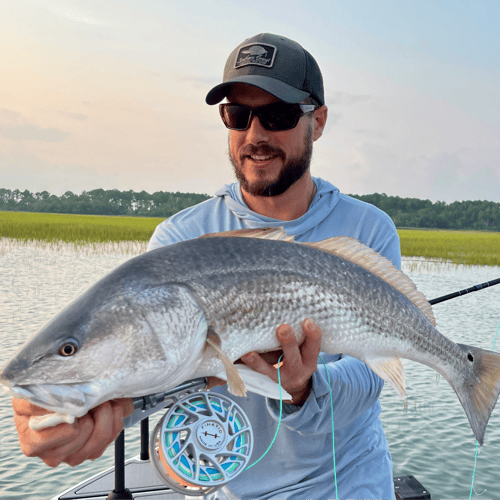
x: 256, y: 133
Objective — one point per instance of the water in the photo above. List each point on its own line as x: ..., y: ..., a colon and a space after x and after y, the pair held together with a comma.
x: 428, y: 433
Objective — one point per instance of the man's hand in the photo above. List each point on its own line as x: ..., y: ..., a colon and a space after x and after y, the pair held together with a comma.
x: 85, y: 439
x: 299, y: 362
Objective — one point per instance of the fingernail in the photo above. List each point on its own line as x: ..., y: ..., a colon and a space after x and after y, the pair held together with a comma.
x: 285, y: 332
x: 248, y: 357
x: 310, y: 324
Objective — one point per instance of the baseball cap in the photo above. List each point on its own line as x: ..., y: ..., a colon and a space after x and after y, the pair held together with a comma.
x: 275, y: 64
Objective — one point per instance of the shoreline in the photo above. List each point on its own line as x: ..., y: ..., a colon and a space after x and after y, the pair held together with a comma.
x: 409, y: 263
x: 131, y: 234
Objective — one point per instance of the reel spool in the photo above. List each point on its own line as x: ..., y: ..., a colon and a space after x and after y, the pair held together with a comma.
x: 201, y: 443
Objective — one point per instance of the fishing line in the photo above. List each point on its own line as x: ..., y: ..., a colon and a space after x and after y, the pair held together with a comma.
x: 279, y: 420
x: 477, y: 444
x: 279, y: 423
x: 333, y: 429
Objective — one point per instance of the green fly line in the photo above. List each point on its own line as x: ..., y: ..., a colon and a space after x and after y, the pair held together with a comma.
x: 279, y: 423
x: 279, y: 420
x: 333, y: 427
x: 477, y: 444
x: 333, y: 433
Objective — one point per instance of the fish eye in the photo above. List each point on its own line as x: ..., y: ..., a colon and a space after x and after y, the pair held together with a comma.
x: 68, y: 349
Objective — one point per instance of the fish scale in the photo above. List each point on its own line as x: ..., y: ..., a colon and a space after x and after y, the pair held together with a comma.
x: 338, y: 281
x: 192, y: 308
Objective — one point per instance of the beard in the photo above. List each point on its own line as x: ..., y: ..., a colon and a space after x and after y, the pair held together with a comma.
x: 289, y: 174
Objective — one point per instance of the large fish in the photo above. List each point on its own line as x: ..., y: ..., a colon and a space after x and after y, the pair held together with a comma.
x: 191, y: 309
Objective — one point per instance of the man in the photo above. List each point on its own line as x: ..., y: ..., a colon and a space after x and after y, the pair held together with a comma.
x: 275, y: 110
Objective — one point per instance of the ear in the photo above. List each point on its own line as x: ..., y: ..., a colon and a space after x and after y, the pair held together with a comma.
x: 319, y: 121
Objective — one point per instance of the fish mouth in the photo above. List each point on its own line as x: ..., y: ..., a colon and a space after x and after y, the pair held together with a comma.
x: 74, y: 399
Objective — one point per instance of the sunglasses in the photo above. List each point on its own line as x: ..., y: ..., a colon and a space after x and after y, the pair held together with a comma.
x: 275, y: 117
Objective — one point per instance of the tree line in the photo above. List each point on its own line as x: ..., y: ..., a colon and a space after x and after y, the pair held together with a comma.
x: 405, y: 212
x: 416, y: 213
x: 100, y: 202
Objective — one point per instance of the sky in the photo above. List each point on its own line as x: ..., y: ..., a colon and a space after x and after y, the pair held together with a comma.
x: 111, y: 94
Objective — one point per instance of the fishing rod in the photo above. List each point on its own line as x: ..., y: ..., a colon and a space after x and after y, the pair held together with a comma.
x: 474, y: 288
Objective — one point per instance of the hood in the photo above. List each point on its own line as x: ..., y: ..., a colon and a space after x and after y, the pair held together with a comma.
x: 327, y: 197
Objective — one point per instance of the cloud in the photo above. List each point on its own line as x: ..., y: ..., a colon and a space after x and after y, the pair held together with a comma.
x: 33, y: 133
x: 76, y: 116
x: 92, y: 15
x: 451, y: 173
x: 16, y: 127
x: 203, y: 82
x: 344, y: 98
x: 83, y: 17
x: 10, y: 115
x: 371, y: 133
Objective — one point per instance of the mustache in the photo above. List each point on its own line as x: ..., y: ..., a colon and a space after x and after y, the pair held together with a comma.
x: 263, y: 150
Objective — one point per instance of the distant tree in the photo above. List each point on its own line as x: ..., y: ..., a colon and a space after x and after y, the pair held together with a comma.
x: 413, y: 212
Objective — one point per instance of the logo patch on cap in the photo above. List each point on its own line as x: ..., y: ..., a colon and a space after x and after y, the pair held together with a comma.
x: 256, y: 54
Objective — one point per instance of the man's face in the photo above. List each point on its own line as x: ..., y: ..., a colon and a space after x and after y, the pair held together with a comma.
x: 267, y: 163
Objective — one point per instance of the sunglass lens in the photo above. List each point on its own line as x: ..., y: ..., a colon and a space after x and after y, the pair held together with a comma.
x: 236, y: 116
x: 279, y: 117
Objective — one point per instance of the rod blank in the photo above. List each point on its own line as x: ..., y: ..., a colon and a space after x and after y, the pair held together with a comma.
x: 474, y: 288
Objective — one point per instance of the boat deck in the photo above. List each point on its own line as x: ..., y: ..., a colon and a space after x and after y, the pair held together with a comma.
x: 140, y: 479
x: 143, y: 482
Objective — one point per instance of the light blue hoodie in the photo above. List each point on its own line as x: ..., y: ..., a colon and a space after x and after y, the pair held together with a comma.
x: 300, y: 463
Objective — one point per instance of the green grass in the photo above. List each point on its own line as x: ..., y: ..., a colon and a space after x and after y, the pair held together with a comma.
x: 78, y: 229
x: 461, y: 247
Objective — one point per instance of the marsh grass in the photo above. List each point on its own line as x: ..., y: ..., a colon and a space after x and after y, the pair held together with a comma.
x: 101, y: 234
x: 458, y: 247
x: 131, y: 248
x: 76, y: 229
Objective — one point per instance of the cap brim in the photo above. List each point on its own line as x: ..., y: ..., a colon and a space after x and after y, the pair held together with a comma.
x: 277, y: 88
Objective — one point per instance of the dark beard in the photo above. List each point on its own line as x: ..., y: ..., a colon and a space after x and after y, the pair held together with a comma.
x: 289, y: 175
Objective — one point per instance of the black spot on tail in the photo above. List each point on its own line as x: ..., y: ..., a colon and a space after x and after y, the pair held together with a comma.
x: 469, y: 357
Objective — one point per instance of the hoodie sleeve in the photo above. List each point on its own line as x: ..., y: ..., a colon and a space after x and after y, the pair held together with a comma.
x: 355, y: 389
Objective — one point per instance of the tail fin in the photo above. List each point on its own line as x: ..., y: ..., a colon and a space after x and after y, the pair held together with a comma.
x: 479, y: 392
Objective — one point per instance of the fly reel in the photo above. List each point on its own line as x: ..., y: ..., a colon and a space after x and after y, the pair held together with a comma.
x: 201, y: 443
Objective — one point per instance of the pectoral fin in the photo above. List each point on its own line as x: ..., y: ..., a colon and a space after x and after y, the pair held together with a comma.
x: 391, y: 370
x: 259, y: 384
x: 235, y: 383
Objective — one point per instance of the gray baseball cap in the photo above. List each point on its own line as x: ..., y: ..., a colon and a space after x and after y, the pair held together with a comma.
x: 275, y: 64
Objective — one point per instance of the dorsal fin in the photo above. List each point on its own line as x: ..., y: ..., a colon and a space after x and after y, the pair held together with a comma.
x: 266, y: 233
x: 364, y: 256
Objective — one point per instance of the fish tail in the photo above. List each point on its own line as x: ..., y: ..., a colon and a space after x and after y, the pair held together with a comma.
x: 478, y: 392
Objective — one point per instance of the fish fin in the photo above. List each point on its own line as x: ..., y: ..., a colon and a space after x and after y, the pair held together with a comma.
x: 479, y: 392
x: 391, y: 370
x: 364, y: 256
x: 266, y: 233
x: 37, y: 423
x: 258, y: 383
x: 235, y: 383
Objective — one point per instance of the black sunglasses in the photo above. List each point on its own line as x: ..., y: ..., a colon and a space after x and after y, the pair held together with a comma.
x: 275, y: 117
